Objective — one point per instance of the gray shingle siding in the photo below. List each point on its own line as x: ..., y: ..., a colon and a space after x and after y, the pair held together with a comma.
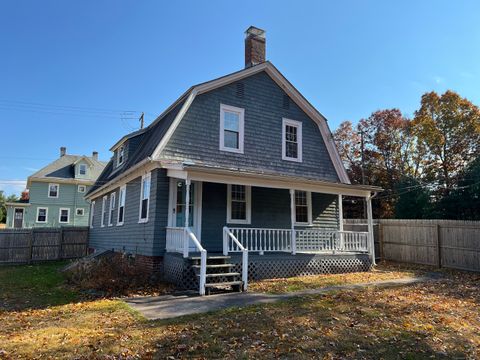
x: 197, y: 136
x: 270, y: 209
x: 132, y: 237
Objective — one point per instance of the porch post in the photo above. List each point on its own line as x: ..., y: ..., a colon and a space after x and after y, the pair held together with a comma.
x: 340, y: 221
x: 292, y: 221
x: 371, y: 243
x: 187, y: 215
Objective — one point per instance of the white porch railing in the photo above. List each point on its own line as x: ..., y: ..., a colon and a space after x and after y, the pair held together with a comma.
x: 178, y: 240
x: 305, y: 240
x: 231, y: 242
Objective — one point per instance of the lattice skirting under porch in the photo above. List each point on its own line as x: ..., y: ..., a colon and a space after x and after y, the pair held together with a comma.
x: 178, y: 270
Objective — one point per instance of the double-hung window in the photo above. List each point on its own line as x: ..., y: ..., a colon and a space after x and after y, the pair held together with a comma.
x: 92, y: 213
x: 231, y: 128
x: 104, y: 211
x: 239, y: 204
x: 82, y: 169
x: 291, y: 140
x: 121, y: 204
x: 144, y: 198
x: 111, y: 212
x: 303, y: 207
x: 53, y: 190
x: 42, y: 215
x: 120, y: 155
x: 64, y: 215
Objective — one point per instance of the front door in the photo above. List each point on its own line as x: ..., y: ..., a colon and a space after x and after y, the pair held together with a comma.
x: 18, y: 218
x: 177, y: 210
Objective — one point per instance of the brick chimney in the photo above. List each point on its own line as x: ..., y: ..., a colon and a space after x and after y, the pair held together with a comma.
x: 63, y: 151
x: 95, y: 155
x: 254, y: 46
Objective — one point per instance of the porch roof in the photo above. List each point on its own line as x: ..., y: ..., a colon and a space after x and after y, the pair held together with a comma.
x: 264, y: 179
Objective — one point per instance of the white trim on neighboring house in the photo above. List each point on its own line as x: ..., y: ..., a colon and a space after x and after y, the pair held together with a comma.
x: 145, y: 177
x: 121, y: 149
x: 80, y: 169
x: 23, y: 216
x: 121, y: 204
x: 298, y: 125
x: 60, y: 216
x: 241, y: 127
x: 81, y: 186
x: 294, y: 94
x: 248, y: 206
x: 46, y: 215
x: 82, y: 212
x: 92, y: 214
x: 58, y: 190
x: 111, y: 208
x: 104, y: 206
x: 309, y: 209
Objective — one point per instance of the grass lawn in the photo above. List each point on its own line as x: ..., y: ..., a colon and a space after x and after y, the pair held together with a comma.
x: 423, y: 321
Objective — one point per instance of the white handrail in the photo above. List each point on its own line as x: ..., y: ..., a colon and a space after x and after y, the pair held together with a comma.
x: 203, y: 257
x: 228, y: 234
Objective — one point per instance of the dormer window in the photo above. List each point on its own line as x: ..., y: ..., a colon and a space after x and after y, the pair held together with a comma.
x: 120, y: 155
x: 82, y: 169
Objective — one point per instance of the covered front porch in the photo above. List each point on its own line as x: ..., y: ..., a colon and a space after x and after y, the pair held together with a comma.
x: 249, y: 218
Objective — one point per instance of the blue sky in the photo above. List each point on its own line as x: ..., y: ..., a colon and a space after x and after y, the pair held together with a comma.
x: 78, y: 73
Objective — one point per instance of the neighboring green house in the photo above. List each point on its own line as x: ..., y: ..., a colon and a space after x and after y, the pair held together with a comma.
x: 57, y: 193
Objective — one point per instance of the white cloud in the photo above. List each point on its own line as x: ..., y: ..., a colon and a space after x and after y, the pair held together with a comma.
x: 438, y: 79
x: 30, y: 169
x: 12, y: 186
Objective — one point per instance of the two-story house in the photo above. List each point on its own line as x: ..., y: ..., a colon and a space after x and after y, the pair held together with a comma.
x: 57, y: 193
x: 239, y: 178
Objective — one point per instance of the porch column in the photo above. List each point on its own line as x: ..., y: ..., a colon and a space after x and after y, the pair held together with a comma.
x: 371, y: 243
x: 292, y: 221
x: 340, y: 221
x: 187, y: 215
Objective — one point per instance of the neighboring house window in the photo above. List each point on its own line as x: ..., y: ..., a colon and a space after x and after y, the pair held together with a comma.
x: 64, y: 215
x: 104, y: 211
x: 292, y: 140
x: 145, y: 198
x: 120, y: 155
x: 92, y: 213
x: 42, y: 215
x: 83, y: 169
x: 111, y: 209
x: 239, y: 204
x: 80, y: 211
x: 82, y: 188
x: 53, y: 190
x: 303, y: 207
x: 231, y: 128
x: 121, y: 204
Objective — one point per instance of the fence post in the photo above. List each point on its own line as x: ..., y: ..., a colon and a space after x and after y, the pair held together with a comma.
x: 30, y: 245
x: 60, y: 248
x: 439, y: 246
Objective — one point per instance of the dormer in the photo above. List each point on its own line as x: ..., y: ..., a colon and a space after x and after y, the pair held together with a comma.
x: 83, y: 168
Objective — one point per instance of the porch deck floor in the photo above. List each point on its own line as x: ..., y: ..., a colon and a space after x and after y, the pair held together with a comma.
x: 168, y: 306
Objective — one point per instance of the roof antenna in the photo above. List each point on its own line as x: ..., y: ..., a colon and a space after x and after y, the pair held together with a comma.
x: 141, y: 121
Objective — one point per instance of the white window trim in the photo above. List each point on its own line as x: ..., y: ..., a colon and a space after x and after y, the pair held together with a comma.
x: 144, y: 177
x: 80, y: 169
x: 113, y: 199
x: 92, y: 213
x: 104, y: 205
x: 241, y: 125
x: 82, y: 186
x: 309, y: 210
x: 248, y: 210
x: 76, y: 211
x: 124, y: 189
x: 60, y: 216
x: 46, y: 215
x: 58, y: 191
x: 120, y: 148
x: 298, y: 125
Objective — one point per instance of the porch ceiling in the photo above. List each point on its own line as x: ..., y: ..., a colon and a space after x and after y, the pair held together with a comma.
x: 226, y: 176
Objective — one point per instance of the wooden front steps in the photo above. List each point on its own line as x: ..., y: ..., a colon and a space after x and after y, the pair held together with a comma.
x: 219, y: 273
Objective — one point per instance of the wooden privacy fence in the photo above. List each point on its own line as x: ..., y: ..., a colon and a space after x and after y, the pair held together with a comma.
x: 443, y: 243
x: 38, y: 244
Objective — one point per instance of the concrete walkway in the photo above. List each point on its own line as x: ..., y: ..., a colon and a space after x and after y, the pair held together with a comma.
x: 171, y: 306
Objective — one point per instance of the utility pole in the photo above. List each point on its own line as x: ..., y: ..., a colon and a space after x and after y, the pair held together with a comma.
x: 141, y: 120
x: 362, y: 152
